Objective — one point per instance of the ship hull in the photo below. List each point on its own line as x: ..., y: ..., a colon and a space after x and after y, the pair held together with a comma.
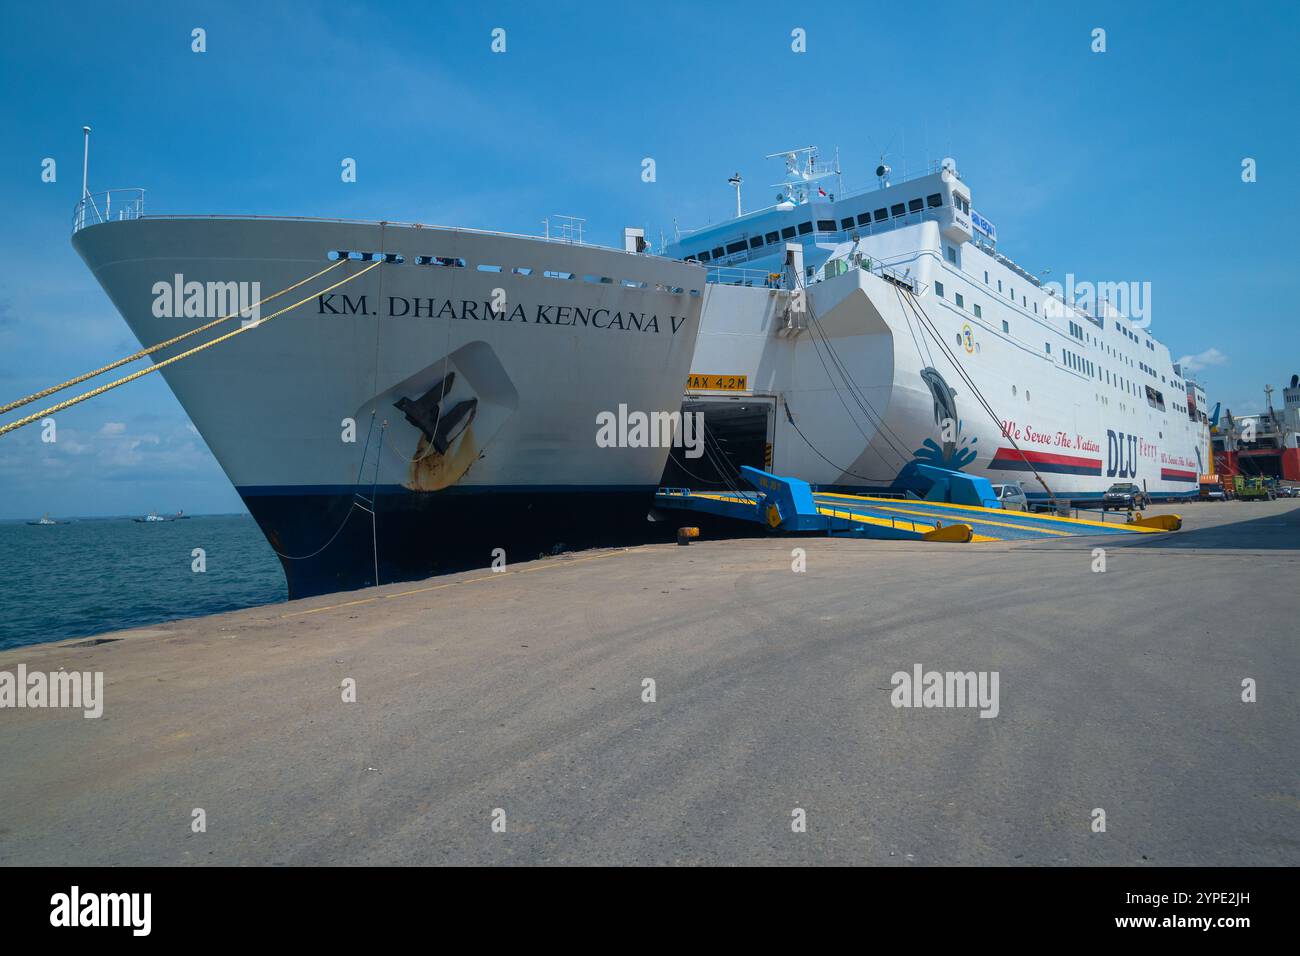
x: 862, y: 384
x: 422, y: 416
x: 326, y: 544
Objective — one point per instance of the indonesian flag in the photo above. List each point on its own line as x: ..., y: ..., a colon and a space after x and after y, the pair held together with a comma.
x: 820, y: 191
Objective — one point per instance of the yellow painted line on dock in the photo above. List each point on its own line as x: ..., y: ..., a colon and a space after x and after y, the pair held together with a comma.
x: 494, y: 576
x: 735, y: 499
x: 988, y: 521
x: 903, y: 525
x: 1112, y: 525
x: 566, y: 563
x: 449, y: 584
x: 332, y: 607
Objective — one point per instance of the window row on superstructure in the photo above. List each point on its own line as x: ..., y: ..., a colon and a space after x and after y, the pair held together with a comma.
x: 1068, y: 358
x: 889, y: 216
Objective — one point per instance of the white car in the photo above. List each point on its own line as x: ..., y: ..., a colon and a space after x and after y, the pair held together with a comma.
x: 1012, y: 496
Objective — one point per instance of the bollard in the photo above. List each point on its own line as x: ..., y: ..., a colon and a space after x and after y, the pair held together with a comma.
x: 684, y: 535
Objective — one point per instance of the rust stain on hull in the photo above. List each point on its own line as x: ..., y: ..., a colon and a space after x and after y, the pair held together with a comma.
x: 431, y: 470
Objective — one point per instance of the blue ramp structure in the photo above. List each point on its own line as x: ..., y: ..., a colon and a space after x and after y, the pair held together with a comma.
x: 790, y: 506
x: 958, y: 488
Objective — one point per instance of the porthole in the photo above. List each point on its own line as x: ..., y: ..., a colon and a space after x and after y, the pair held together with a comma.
x: 1026, y: 394
x: 1013, y: 390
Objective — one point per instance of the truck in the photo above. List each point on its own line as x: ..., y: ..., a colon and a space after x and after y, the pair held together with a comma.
x: 1211, y: 489
x: 1252, y: 489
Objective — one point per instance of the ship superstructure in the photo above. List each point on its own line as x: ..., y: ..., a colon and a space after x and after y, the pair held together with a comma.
x: 866, y: 333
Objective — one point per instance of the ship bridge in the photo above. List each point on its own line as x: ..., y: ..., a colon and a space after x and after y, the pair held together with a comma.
x: 809, y: 213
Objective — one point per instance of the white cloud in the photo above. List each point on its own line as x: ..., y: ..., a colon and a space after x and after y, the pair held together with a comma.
x: 1202, y: 360
x: 112, y: 428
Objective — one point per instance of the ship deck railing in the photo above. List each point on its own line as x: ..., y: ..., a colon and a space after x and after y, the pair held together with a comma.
x: 864, y: 230
x: 889, y: 270
x: 750, y: 278
x: 113, y: 205
x: 110, y: 205
x: 894, y: 269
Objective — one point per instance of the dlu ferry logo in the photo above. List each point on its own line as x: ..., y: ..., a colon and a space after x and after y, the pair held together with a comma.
x: 1128, y: 300
x: 207, y: 300
x: 134, y: 910
x: 1123, y: 452
x: 946, y: 689
x: 651, y: 430
x: 77, y: 689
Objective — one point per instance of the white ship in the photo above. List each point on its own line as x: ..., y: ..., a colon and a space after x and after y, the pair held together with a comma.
x: 437, y: 396
x: 847, y: 338
x: 422, y: 415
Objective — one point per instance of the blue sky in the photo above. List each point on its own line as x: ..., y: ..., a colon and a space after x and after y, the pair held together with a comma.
x: 1123, y: 165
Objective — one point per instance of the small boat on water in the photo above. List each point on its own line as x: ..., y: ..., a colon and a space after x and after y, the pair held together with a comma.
x: 46, y: 519
x: 149, y: 518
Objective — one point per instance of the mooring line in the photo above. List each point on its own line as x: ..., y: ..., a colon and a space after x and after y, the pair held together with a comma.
x: 161, y: 345
x: 176, y: 358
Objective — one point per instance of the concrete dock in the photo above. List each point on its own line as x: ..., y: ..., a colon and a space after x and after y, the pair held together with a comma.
x: 522, y: 692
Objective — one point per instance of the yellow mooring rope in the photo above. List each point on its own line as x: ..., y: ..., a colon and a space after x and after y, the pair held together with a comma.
x: 176, y: 358
x: 154, y: 348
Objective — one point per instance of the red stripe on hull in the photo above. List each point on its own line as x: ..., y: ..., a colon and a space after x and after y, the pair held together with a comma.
x: 1046, y: 458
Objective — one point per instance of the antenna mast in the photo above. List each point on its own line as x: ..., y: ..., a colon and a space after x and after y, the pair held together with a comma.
x: 85, y: 161
x: 736, y: 181
x: 802, y: 173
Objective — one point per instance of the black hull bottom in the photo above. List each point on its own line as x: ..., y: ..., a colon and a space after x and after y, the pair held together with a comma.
x: 327, y: 543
